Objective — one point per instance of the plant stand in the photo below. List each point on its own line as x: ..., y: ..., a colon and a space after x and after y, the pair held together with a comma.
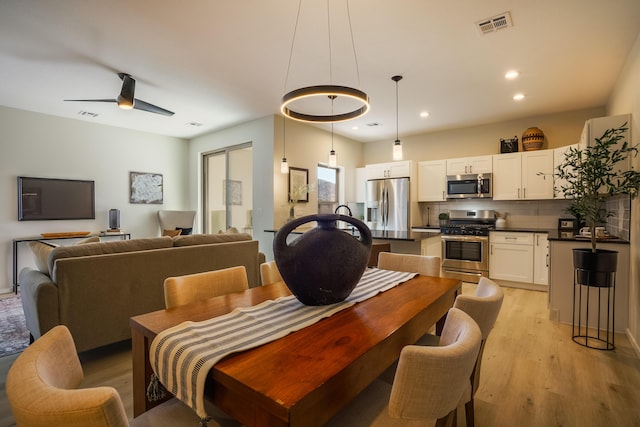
x: 585, y: 301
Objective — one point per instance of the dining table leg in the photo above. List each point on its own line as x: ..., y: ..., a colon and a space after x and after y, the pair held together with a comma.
x: 141, y: 370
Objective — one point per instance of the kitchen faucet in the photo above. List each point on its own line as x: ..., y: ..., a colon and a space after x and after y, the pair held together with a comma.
x: 353, y: 229
x: 343, y: 206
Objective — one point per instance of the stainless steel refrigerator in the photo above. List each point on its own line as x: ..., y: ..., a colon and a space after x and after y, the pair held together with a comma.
x: 387, y: 204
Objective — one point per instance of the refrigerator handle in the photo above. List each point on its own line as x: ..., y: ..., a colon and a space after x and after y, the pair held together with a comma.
x: 386, y: 207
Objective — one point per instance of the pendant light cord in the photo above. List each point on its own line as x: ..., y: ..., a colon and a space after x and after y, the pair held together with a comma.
x: 397, y: 114
x: 353, y: 46
x: 293, y: 40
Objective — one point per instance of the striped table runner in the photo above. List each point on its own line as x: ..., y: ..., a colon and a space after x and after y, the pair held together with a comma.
x: 182, y: 356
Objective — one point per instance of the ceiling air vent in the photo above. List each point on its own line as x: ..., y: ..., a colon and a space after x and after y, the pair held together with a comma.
x: 495, y: 23
x: 373, y: 124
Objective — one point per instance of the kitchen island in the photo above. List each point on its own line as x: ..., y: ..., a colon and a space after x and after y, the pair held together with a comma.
x: 561, y: 278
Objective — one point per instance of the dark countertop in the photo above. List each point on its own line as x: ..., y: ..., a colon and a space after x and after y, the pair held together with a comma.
x: 554, y: 234
x: 409, y: 236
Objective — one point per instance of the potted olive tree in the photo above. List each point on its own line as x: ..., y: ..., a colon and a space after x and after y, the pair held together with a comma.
x: 591, y: 175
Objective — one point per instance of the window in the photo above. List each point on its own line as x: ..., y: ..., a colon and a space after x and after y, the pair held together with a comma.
x: 328, y: 197
x: 228, y: 192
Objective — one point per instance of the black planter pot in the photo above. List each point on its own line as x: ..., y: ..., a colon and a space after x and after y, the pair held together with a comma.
x: 595, y: 269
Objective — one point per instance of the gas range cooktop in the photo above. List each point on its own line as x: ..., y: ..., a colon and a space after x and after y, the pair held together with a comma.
x: 470, y: 223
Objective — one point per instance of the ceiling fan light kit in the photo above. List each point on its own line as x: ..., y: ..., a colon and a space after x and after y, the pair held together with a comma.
x: 126, y: 99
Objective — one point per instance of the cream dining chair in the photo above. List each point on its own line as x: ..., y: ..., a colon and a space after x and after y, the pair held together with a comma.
x: 42, y: 389
x: 269, y: 273
x: 429, y: 385
x: 422, y: 264
x: 483, y: 307
x: 185, y: 289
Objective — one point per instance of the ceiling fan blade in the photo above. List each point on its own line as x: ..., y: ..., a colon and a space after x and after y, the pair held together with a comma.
x: 92, y: 100
x: 125, y: 99
x: 145, y: 106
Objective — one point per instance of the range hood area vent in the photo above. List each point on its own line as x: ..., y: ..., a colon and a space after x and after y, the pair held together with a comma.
x: 495, y: 23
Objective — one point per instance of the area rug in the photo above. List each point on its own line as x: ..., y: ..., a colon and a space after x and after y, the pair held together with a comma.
x: 13, y: 328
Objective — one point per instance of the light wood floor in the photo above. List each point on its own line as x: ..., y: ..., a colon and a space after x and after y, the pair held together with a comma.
x: 533, y: 374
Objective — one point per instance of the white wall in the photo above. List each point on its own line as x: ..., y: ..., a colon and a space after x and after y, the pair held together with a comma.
x: 560, y: 129
x: 626, y: 99
x: 39, y: 145
x: 261, y: 135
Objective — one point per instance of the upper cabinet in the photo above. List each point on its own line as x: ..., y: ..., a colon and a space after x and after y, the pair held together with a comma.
x: 523, y: 176
x: 467, y: 165
x: 558, y: 158
x: 432, y: 181
x: 361, y: 185
x: 594, y: 128
x: 389, y: 170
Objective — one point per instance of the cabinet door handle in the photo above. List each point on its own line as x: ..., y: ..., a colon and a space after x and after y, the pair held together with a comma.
x: 524, y: 193
x: 518, y: 193
x: 470, y: 168
x: 491, y: 251
x: 547, y: 260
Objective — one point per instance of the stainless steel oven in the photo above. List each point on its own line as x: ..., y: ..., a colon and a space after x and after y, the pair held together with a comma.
x: 465, y: 244
x: 465, y: 257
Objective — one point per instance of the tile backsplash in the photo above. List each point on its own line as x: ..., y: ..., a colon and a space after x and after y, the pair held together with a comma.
x: 531, y: 213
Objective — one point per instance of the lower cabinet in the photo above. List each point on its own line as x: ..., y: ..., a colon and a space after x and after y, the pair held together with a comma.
x: 519, y: 257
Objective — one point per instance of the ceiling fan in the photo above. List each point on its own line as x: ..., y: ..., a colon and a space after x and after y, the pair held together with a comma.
x: 126, y: 98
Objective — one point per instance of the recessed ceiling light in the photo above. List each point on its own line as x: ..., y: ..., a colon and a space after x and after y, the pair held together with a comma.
x: 424, y: 114
x: 511, y: 74
x: 518, y: 96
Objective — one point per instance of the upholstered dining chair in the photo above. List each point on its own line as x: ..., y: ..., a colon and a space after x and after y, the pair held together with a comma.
x: 483, y: 307
x: 431, y: 382
x: 193, y: 287
x: 269, y: 273
x: 42, y: 389
x: 425, y: 265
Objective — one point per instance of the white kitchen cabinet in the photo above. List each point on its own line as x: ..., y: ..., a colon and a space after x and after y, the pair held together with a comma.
x: 511, y: 256
x: 432, y: 181
x: 540, y: 259
x: 594, y: 128
x: 431, y: 246
x: 466, y: 165
x: 389, y: 170
x: 558, y: 158
x: 361, y: 185
x: 523, y: 176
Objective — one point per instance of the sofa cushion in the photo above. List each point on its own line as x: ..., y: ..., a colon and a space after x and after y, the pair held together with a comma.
x: 114, y: 247
x: 41, y: 252
x: 204, y: 239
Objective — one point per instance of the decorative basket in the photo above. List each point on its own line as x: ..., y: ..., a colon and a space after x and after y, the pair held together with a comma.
x: 532, y: 139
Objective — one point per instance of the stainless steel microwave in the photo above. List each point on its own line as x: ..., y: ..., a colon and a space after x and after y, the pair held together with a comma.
x: 469, y: 186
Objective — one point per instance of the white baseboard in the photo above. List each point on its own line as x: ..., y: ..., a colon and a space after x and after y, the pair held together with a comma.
x: 633, y: 342
x: 6, y: 290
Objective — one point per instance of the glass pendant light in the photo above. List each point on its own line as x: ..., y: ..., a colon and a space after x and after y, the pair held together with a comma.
x: 333, y: 158
x: 284, y: 165
x: 397, y: 145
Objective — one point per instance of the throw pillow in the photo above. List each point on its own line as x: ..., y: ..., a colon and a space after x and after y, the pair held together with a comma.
x: 41, y: 253
x: 171, y: 233
x: 184, y: 230
x: 92, y: 239
x: 232, y: 230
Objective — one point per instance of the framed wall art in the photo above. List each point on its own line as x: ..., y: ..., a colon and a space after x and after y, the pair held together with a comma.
x: 146, y: 188
x: 298, y: 184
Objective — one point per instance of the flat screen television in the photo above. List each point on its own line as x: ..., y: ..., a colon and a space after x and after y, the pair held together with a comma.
x: 51, y: 199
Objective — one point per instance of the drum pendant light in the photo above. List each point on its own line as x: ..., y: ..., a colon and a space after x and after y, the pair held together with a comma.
x: 397, y: 145
x: 288, y: 108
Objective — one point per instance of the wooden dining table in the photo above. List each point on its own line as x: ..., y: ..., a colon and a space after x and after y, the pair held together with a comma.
x: 306, y: 377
